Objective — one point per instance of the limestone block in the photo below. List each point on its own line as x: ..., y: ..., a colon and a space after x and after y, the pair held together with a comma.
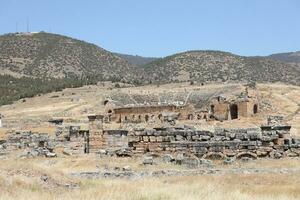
x: 204, y: 137
x: 230, y: 135
x: 159, y: 139
x: 152, y: 138
x: 145, y: 138
x: 179, y: 138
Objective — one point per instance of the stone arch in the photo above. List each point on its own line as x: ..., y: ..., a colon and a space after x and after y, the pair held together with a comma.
x: 246, y: 154
x: 233, y: 111
x: 105, y: 102
x: 146, y: 118
x: 212, y: 109
x: 214, y: 156
x: 159, y: 116
x: 125, y: 118
x: 255, y: 109
x: 41, y: 143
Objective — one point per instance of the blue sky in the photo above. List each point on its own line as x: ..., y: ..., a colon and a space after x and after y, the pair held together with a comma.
x: 163, y: 27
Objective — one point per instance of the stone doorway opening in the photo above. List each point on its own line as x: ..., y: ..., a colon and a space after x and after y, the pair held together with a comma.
x: 233, y: 111
x: 255, y: 109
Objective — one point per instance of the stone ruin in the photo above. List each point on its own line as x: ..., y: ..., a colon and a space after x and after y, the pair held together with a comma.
x: 272, y: 140
x: 35, y: 144
x: 193, y: 105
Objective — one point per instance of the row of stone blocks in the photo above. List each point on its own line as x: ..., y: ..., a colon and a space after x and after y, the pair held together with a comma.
x: 272, y: 141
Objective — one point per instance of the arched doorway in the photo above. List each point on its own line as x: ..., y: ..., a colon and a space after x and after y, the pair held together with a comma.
x: 233, y: 111
x: 212, y: 109
x: 255, y: 109
x: 146, y: 118
x: 190, y: 117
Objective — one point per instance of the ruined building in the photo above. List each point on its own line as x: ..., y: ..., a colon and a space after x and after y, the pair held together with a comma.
x: 181, y: 106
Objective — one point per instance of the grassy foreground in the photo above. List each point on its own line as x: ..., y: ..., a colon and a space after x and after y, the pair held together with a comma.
x: 22, y: 179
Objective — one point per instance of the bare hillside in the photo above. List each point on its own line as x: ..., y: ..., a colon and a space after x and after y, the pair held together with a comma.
x: 55, y: 56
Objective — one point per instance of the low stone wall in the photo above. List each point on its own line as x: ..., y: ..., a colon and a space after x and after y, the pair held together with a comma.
x: 267, y: 141
x: 272, y: 140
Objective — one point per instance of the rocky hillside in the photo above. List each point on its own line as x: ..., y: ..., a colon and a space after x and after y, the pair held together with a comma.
x: 203, y: 66
x: 55, y: 56
x: 293, y: 57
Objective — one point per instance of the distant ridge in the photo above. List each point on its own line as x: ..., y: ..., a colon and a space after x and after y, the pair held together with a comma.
x: 221, y: 66
x: 136, y: 60
x: 293, y: 57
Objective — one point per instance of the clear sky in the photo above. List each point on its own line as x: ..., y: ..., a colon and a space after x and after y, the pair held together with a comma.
x: 163, y: 27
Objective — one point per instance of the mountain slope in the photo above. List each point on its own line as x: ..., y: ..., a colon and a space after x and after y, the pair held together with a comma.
x: 136, y: 60
x: 220, y: 66
x: 55, y: 56
x: 293, y: 57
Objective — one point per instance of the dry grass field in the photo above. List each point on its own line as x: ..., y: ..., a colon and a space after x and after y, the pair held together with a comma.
x: 23, y: 179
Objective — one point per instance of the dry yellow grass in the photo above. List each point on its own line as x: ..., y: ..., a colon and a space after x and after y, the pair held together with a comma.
x: 20, y: 179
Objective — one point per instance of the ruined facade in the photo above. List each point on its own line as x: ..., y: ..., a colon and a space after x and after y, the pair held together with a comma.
x: 223, y: 109
x: 197, y: 107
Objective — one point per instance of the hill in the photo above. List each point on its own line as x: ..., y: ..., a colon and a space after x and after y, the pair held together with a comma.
x: 204, y: 66
x: 293, y: 57
x: 46, y: 55
x: 136, y: 60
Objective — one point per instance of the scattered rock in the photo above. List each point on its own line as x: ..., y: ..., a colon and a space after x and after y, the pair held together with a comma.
x: 205, y: 162
x: 167, y: 158
x: 50, y: 155
x: 67, y: 152
x: 191, y: 162
x: 126, y: 168
x: 148, y: 160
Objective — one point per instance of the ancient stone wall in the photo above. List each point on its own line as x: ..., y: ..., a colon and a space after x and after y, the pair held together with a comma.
x: 267, y: 141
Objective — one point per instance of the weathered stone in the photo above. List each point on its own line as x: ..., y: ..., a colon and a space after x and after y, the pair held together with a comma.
x: 205, y: 162
x: 168, y: 158
x: 126, y: 168
x: 148, y: 160
x: 50, y: 155
x: 204, y: 137
x: 191, y: 162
